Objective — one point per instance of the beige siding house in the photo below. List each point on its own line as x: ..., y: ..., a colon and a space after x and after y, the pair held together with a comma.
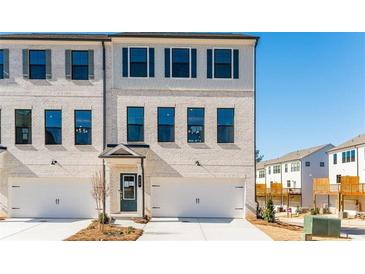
x: 178, y: 133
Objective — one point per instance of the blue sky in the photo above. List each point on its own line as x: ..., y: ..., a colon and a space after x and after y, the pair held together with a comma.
x: 310, y: 90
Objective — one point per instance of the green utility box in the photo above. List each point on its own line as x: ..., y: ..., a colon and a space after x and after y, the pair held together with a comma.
x: 322, y: 226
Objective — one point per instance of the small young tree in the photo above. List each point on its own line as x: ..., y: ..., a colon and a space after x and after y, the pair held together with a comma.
x: 269, y: 212
x: 100, y: 191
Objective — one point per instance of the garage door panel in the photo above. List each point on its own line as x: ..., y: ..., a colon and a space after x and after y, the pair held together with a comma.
x: 197, y: 198
x: 52, y: 200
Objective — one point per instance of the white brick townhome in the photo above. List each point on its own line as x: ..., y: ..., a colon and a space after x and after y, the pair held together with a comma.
x: 169, y: 117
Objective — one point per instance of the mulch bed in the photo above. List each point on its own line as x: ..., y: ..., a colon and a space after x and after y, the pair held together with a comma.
x: 141, y: 220
x: 278, y: 224
x: 110, y: 233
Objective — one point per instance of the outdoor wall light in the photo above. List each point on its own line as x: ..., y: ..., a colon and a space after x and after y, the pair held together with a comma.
x: 198, y: 163
x: 54, y: 162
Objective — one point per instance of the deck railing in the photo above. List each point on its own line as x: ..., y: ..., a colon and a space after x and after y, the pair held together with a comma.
x: 348, y: 185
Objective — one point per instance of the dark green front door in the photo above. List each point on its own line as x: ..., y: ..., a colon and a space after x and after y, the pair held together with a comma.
x: 128, y: 192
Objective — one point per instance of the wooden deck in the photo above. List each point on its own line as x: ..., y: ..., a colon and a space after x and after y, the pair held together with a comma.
x: 277, y: 192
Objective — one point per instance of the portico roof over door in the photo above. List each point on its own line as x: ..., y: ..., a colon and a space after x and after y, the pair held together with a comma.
x: 125, y: 151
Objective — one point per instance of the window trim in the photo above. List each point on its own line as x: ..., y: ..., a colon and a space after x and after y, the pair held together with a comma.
x: 158, y: 126
x: 31, y: 127
x: 72, y: 65
x: 334, y: 159
x: 45, y: 126
x: 2, y: 52
x: 213, y: 64
x: 144, y: 122
x: 233, y: 137
x: 190, y: 63
x: 45, y: 65
x: 129, y: 62
x: 187, y: 125
x: 91, y: 128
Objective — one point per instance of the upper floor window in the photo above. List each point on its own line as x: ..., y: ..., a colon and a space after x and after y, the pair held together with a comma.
x: 80, y: 65
x: 225, y: 125
x: 195, y: 125
x: 321, y: 164
x: 83, y: 127
x: 276, y: 169
x: 23, y: 126
x: 307, y: 163
x: 138, y: 62
x: 262, y: 173
x: 166, y: 124
x: 37, y: 64
x: 348, y: 156
x: 223, y: 63
x: 180, y: 62
x: 335, y: 159
x: 295, y: 167
x: 53, y: 127
x: 1, y: 64
x: 269, y: 169
x: 286, y: 168
x: 135, y: 124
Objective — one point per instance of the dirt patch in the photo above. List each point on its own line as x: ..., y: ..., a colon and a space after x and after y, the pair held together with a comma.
x: 110, y: 233
x: 141, y: 220
x: 280, y: 231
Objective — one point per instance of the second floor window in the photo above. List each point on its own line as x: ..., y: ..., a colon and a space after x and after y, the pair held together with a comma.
x: 348, y: 156
x: 335, y: 159
x: 80, y: 65
x: 53, y: 127
x: 269, y: 169
x: 261, y: 173
x: 307, y: 163
x: 286, y: 168
x: 166, y: 124
x: 276, y: 169
x: 225, y: 124
x: 37, y: 64
x: 23, y: 126
x: 195, y: 125
x: 295, y: 167
x: 135, y: 124
x: 83, y: 128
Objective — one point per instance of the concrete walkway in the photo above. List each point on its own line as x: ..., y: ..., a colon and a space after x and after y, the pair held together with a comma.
x: 40, y: 229
x: 201, y: 229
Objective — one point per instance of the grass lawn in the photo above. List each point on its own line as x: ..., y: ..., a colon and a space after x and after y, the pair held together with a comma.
x: 286, y: 232
x: 110, y: 233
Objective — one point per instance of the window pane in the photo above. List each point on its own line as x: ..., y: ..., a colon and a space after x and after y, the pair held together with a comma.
x: 195, y: 134
x: 53, y: 127
x: 37, y: 71
x: 23, y: 118
x: 180, y: 63
x: 37, y: 57
x: 135, y: 133
x: 135, y: 124
x: 196, y: 116
x: 80, y: 57
x: 225, y: 116
x: 222, y: 63
x: 138, y: 62
x: 1, y: 71
x: 83, y: 127
x: 166, y: 133
x: 138, y: 55
x: 166, y: 116
x: 80, y: 72
x: 1, y: 57
x: 135, y: 115
x: 138, y: 69
x: 225, y: 134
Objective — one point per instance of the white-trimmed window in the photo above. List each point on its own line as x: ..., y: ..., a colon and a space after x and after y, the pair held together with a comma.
x: 295, y: 167
x: 276, y: 169
x: 262, y: 173
x: 138, y: 62
x: 180, y: 62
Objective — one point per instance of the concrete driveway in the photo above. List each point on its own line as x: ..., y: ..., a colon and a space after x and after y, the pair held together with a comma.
x: 201, y: 229
x: 40, y: 229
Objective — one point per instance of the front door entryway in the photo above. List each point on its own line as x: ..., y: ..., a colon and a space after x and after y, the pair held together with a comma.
x: 128, y: 192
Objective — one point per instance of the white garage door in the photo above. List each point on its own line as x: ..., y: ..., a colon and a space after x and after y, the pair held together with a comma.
x: 177, y: 197
x: 52, y: 200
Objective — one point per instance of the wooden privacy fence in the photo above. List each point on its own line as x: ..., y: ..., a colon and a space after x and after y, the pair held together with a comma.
x: 261, y: 190
x: 348, y: 185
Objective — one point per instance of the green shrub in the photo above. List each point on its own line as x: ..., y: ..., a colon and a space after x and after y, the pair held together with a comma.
x: 130, y: 229
x: 314, y: 211
x: 103, y: 219
x: 298, y: 210
x: 269, y: 212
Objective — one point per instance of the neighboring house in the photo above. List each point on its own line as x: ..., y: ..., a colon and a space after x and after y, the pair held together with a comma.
x: 51, y: 117
x: 294, y: 172
x: 348, y: 159
x: 178, y: 136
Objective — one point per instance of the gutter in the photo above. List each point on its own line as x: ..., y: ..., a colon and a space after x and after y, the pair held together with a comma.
x: 143, y: 193
x: 104, y: 125
x: 257, y: 203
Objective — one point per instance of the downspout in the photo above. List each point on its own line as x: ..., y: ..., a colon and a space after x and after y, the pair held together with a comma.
x: 143, y: 194
x: 104, y: 126
x: 254, y: 138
